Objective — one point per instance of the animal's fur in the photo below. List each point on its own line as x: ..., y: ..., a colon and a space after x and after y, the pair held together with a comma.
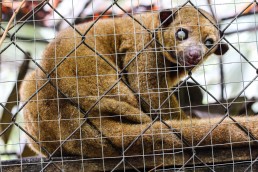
x: 83, y: 77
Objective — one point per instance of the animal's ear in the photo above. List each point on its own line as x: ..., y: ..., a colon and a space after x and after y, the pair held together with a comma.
x: 221, y: 49
x: 166, y: 17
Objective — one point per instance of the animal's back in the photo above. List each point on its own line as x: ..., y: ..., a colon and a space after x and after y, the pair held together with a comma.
x: 77, y: 73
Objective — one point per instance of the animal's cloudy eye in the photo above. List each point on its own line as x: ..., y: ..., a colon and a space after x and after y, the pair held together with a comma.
x: 181, y: 34
x: 209, y: 43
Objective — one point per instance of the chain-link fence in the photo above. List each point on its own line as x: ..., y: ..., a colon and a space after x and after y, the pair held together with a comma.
x: 226, y: 142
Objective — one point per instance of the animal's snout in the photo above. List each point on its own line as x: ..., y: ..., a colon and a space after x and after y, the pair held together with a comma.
x: 194, y: 56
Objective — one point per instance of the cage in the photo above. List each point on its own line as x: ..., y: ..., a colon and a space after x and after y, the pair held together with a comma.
x: 108, y: 85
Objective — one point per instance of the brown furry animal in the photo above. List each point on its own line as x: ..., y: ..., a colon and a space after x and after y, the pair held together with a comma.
x: 83, y: 76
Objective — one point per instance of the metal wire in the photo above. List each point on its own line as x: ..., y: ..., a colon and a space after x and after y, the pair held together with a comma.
x: 156, y: 116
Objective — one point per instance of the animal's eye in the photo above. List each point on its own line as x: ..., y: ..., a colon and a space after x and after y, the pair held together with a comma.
x: 209, y: 43
x: 182, y: 34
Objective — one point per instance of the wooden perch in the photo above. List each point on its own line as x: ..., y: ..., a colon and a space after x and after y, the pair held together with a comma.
x: 225, y: 145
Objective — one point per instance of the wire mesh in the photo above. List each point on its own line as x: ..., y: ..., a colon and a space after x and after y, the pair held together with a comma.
x: 190, y: 152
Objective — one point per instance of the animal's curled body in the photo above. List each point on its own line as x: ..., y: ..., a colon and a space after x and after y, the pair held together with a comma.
x: 84, y: 77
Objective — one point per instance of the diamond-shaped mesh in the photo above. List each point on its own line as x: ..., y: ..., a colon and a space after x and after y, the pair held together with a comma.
x: 191, y: 150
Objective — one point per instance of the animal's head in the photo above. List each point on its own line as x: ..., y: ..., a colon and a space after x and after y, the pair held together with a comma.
x: 189, y: 36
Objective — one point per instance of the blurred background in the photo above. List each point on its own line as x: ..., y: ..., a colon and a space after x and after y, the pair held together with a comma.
x: 220, y: 79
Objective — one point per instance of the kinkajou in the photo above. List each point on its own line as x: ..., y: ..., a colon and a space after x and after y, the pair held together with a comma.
x: 186, y: 38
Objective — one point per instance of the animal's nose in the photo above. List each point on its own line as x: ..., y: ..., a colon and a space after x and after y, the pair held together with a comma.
x: 195, y: 55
